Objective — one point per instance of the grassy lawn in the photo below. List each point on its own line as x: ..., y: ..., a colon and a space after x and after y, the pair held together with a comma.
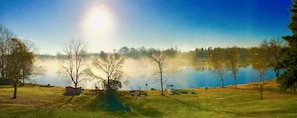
x: 36, y: 101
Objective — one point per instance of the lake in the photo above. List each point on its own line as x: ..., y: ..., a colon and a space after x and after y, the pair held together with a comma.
x: 188, y: 77
x: 184, y: 77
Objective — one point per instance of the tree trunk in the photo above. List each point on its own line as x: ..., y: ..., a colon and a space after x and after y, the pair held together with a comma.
x: 75, y: 87
x: 109, y: 92
x: 108, y: 83
x: 23, y: 81
x: 162, y: 85
x: 261, y: 91
x: 277, y: 74
x: 222, y: 83
x: 235, y: 83
x: 294, y: 87
x: 161, y: 78
x: 15, y: 90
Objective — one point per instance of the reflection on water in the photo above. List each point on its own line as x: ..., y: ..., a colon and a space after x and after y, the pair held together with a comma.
x: 188, y: 77
x: 185, y: 77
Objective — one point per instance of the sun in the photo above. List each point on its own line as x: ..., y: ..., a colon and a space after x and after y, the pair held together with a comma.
x: 97, y: 21
x: 98, y: 27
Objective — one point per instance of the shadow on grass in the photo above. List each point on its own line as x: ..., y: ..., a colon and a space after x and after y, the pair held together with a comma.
x: 67, y: 102
x: 255, y: 113
x: 109, y: 102
x: 185, y: 103
x: 148, y: 111
x: 6, y: 86
x: 113, y: 103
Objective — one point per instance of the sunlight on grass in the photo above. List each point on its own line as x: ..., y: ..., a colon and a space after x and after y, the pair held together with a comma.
x: 36, y: 101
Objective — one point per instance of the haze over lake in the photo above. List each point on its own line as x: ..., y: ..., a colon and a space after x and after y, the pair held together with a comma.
x: 137, y: 74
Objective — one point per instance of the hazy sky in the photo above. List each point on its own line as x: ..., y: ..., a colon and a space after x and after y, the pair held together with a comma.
x: 111, y: 24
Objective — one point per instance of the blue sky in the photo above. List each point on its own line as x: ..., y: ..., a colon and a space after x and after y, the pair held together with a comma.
x: 187, y: 24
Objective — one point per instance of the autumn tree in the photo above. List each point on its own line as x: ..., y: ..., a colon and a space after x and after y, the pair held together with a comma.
x: 16, y: 59
x: 217, y: 60
x: 74, y: 65
x: 232, y: 62
x: 30, y: 71
x: 289, y: 78
x: 159, y: 58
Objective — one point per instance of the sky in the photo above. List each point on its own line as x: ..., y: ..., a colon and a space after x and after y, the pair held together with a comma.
x: 111, y: 24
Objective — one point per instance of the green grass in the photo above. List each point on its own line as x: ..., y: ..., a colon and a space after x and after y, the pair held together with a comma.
x: 36, y: 101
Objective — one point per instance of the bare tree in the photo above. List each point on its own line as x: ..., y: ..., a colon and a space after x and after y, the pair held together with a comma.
x: 217, y: 61
x: 272, y: 53
x: 261, y: 72
x: 232, y: 62
x: 108, y: 69
x: 111, y: 66
x: 261, y: 66
x: 159, y: 57
x: 73, y: 65
x: 5, y: 36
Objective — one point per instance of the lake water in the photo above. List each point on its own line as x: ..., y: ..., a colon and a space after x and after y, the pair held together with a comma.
x: 184, y: 77
x: 188, y: 77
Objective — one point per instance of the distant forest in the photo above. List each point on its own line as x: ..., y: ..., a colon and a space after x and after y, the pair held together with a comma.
x: 196, y: 57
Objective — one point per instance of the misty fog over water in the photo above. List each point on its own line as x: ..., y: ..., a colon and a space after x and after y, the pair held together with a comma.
x: 139, y: 73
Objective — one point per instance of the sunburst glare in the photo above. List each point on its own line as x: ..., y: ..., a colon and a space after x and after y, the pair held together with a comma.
x: 97, y: 21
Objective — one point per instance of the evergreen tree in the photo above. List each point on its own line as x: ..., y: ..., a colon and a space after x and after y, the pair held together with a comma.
x: 289, y: 78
